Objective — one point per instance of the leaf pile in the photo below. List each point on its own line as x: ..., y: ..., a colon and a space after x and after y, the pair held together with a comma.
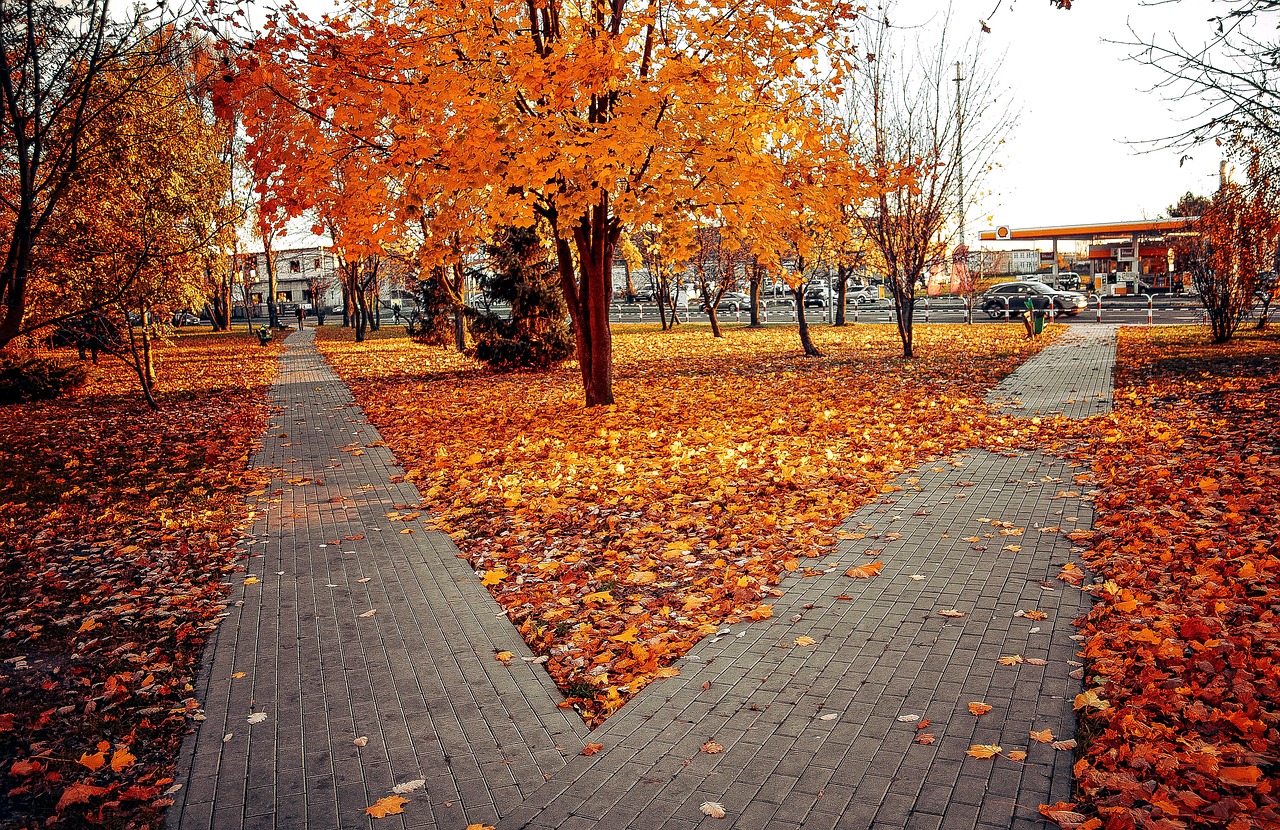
x: 1181, y: 723
x: 118, y: 533
x: 617, y: 537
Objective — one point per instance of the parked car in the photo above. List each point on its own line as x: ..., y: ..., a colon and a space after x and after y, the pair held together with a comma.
x: 735, y: 301
x: 185, y: 318
x: 860, y: 294
x: 817, y: 296
x: 1014, y: 296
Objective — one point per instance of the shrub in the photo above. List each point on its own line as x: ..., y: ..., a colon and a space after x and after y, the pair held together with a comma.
x: 37, y: 378
x: 536, y: 335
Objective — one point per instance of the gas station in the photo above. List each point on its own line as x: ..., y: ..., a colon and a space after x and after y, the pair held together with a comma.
x: 1123, y: 257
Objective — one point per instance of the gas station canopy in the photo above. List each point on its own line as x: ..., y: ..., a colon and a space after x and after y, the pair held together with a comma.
x: 1086, y: 233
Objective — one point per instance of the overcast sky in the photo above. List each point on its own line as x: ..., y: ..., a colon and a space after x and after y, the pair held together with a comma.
x: 1082, y: 105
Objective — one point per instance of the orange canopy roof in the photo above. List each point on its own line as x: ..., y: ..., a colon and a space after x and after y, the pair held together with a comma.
x: 1085, y: 232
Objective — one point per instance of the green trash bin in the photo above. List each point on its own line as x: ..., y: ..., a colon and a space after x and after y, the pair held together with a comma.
x: 1037, y: 319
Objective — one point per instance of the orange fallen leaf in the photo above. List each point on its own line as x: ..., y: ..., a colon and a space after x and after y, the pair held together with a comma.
x: 979, y: 709
x: 122, y: 758
x: 1011, y: 660
x: 592, y: 749
x: 983, y: 751
x: 387, y: 806
x: 1067, y: 744
x: 1016, y: 755
x: 78, y: 793
x: 712, y: 748
x: 1240, y: 776
x: 1044, y: 736
x: 1063, y: 814
x: 924, y: 738
x: 951, y: 612
x: 92, y: 762
x: 864, y: 571
x: 503, y: 656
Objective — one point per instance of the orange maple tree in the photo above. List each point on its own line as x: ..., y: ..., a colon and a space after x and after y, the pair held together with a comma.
x: 595, y: 120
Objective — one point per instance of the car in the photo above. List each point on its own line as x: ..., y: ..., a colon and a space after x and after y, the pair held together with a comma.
x: 735, y: 301
x: 860, y: 294
x: 818, y: 296
x: 1013, y: 295
x: 185, y: 318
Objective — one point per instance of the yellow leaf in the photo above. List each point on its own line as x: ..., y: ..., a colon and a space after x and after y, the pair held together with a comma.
x: 387, y: 806
x: 1090, y: 700
x: 1044, y: 736
x: 627, y: 636
x: 983, y: 751
x: 1016, y: 755
x: 805, y: 641
x: 480, y: 827
x: 503, y: 656
x: 598, y: 596
x: 493, y: 576
x: 473, y: 459
x: 1011, y: 660
x: 253, y: 580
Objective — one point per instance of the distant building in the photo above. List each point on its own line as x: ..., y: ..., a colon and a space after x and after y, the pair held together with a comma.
x: 297, y: 269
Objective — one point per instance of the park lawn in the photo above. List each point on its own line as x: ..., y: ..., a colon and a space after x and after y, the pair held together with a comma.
x: 1183, y: 647
x: 617, y: 537
x: 119, y: 528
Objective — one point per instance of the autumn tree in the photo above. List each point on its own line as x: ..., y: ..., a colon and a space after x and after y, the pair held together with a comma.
x: 903, y: 116
x: 1236, y: 240
x: 664, y: 265
x: 715, y: 261
x: 593, y: 120
x: 135, y: 230
x: 63, y: 63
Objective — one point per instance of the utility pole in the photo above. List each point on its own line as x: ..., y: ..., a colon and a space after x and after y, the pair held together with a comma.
x: 960, y: 154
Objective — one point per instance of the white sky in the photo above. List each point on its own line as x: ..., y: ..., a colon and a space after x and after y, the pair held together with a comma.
x: 1081, y: 102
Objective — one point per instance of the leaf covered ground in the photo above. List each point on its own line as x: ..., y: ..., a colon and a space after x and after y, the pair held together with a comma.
x: 617, y: 537
x: 1183, y: 650
x: 118, y: 527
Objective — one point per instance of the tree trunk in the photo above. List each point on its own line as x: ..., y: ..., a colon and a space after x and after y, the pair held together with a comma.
x: 841, y: 293
x: 17, y: 267
x: 138, y: 363
x: 805, y: 340
x: 459, y: 317
x: 661, y: 296
x: 587, y: 294
x: 273, y: 316
x: 904, y: 299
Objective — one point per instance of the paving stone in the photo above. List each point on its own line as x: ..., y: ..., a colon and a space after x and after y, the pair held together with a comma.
x: 324, y: 674
x: 418, y: 676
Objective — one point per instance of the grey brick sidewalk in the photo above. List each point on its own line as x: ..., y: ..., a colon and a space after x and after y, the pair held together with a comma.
x: 1072, y: 377
x: 353, y: 629
x: 813, y: 734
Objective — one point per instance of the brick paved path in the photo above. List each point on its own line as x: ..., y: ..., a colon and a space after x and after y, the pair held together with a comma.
x: 812, y: 733
x: 416, y: 676
x: 1072, y: 376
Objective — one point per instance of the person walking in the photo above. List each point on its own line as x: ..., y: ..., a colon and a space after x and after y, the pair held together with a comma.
x: 302, y: 315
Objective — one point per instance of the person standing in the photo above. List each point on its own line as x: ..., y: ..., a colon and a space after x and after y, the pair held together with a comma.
x: 302, y: 315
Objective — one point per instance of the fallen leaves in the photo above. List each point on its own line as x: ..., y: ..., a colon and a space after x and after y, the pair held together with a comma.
x: 257, y: 717
x: 1044, y: 736
x: 712, y: 808
x: 119, y: 565
x: 712, y: 748
x: 983, y: 751
x: 865, y: 571
x: 1180, y: 651
x: 592, y: 749
x: 389, y: 805
x: 951, y: 612
x: 976, y: 708
x: 734, y: 469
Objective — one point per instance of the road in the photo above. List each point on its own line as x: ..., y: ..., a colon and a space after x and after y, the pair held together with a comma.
x: 1127, y: 311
